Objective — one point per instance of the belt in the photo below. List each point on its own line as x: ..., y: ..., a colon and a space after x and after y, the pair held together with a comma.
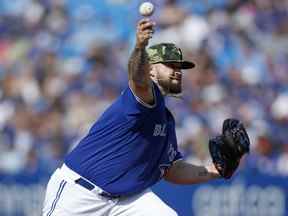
x: 85, y: 183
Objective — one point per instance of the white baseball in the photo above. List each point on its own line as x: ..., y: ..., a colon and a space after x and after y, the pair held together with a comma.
x: 146, y: 9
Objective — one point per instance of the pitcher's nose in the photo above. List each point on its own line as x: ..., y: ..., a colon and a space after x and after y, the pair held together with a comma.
x: 178, y: 74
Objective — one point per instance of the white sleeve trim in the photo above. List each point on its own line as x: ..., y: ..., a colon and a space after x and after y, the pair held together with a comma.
x: 144, y: 103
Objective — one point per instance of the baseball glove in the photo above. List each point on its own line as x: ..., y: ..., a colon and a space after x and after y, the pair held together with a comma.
x: 227, y: 149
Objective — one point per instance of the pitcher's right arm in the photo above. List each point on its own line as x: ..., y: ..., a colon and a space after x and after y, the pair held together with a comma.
x: 138, y: 65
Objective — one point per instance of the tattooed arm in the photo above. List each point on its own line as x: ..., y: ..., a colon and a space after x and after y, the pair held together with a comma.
x: 182, y: 172
x: 138, y: 66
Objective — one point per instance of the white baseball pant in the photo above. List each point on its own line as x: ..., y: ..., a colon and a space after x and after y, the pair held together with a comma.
x: 65, y: 197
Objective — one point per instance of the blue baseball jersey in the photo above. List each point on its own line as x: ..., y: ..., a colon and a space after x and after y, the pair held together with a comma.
x: 130, y: 146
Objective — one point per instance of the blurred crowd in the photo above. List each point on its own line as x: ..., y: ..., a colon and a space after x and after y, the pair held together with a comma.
x: 63, y: 62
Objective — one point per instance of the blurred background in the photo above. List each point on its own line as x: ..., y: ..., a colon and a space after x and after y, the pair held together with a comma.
x: 63, y: 62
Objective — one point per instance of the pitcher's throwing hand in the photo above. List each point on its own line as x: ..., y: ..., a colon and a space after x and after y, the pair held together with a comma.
x: 145, y: 30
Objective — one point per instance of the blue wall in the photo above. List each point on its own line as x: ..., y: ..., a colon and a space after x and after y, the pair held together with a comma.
x: 257, y: 195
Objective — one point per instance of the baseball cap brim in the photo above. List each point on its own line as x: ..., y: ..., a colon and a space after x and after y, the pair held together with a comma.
x: 180, y: 64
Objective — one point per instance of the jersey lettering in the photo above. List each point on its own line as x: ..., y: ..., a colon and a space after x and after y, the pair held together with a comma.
x: 160, y: 130
x: 171, y: 153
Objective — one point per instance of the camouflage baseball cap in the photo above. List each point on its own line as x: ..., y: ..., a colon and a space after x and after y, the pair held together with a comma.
x: 168, y: 53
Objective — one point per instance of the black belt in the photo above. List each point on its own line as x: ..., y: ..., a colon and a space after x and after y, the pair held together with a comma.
x: 84, y: 183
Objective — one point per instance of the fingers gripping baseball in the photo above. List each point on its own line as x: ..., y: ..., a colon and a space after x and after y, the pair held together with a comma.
x: 145, y: 30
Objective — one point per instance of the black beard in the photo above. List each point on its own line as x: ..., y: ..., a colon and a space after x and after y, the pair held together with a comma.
x: 169, y: 87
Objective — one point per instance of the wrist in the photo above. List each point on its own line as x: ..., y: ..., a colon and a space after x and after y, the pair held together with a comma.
x: 140, y: 45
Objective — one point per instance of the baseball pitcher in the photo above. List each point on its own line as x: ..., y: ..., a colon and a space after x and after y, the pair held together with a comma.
x: 133, y: 144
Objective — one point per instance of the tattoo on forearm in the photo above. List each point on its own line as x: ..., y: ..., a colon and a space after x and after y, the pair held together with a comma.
x: 137, y: 70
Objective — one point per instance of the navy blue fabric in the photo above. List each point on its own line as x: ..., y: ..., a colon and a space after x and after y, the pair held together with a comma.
x: 130, y: 146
